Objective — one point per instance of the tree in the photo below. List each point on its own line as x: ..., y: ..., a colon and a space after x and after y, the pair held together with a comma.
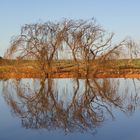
x: 133, y: 51
x: 42, y: 42
x: 38, y: 42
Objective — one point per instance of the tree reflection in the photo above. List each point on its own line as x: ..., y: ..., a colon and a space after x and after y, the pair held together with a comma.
x: 88, y: 102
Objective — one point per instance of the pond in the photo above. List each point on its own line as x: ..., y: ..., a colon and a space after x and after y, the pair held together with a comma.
x: 70, y: 109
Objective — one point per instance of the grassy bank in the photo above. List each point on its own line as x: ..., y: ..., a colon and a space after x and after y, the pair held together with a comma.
x: 67, y: 68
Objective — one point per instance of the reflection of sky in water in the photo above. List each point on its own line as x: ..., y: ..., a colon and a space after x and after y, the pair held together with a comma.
x: 122, y: 127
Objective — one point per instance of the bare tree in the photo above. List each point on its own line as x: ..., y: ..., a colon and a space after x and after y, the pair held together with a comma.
x: 38, y: 42
x: 86, y: 40
x: 133, y: 51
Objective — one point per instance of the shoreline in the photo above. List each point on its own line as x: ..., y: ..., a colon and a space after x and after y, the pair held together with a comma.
x: 68, y: 75
x: 68, y: 69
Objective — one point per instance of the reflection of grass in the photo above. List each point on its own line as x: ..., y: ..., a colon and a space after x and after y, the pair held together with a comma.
x: 30, y: 67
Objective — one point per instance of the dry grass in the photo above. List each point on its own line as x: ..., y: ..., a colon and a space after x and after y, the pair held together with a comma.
x: 66, y: 69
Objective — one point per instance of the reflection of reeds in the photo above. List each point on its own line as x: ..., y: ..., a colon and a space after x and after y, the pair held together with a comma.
x: 29, y: 73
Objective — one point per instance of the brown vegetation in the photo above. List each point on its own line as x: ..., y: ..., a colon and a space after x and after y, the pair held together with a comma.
x: 68, y: 69
x: 86, y: 45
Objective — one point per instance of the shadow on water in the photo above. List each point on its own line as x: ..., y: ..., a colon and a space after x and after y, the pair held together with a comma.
x: 73, y: 105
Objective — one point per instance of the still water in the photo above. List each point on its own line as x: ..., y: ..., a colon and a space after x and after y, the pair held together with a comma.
x: 70, y: 109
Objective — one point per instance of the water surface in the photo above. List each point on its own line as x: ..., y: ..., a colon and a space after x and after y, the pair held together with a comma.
x: 69, y: 109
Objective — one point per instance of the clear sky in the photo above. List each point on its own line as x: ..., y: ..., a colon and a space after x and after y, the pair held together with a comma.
x: 119, y: 16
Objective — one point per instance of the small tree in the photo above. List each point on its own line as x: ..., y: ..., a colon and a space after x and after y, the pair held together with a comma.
x: 133, y: 50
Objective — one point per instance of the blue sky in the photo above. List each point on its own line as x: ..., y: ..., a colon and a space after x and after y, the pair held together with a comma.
x: 119, y: 16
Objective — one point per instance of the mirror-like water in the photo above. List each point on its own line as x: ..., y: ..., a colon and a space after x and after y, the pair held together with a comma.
x: 70, y: 109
